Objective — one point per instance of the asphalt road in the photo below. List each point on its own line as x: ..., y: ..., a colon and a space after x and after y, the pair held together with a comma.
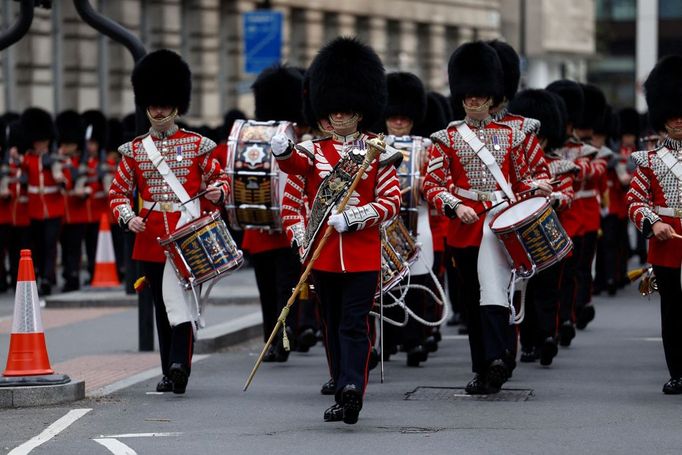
x: 602, y: 395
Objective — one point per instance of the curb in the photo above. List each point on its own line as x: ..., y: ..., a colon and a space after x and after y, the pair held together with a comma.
x: 220, y: 336
x: 117, y: 298
x: 46, y: 395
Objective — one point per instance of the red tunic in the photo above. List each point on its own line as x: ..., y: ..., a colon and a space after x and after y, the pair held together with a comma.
x: 453, y: 164
x: 45, y: 199
x: 96, y: 204
x: 375, y: 200
x: 653, y: 186
x: 75, y: 203
x: 18, y: 198
x: 535, y: 156
x: 187, y: 154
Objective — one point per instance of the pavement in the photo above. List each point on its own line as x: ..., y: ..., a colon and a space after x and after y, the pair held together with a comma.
x: 601, y: 395
x: 91, y: 335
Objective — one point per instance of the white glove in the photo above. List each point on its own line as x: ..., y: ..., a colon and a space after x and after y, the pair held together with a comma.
x: 280, y: 144
x: 338, y: 222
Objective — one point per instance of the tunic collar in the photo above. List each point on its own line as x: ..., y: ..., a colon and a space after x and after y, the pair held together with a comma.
x: 348, y: 138
x: 163, y: 134
x: 672, y: 144
x: 478, y: 124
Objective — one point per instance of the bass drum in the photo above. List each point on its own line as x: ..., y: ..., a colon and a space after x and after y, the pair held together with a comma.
x: 255, y: 201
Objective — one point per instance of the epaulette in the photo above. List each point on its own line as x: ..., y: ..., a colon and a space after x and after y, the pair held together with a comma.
x: 518, y: 137
x: 206, y: 146
x: 390, y: 155
x: 441, y: 136
x: 531, y: 126
x: 605, y: 152
x: 641, y: 157
x: 587, y: 150
x: 308, y: 147
x: 126, y: 149
x: 560, y: 167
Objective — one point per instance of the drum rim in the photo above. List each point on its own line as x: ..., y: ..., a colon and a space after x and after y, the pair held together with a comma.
x: 190, y: 227
x: 515, y: 226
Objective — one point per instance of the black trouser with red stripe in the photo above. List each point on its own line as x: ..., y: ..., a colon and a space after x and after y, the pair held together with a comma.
x: 490, y: 334
x: 346, y: 300
x: 176, y: 344
x: 72, y: 250
x: 583, y: 289
x: 669, y: 287
x: 541, y: 306
x: 44, y: 238
x: 568, y: 282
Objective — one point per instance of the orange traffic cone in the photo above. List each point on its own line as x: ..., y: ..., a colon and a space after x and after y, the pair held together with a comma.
x: 105, y: 275
x: 27, y: 350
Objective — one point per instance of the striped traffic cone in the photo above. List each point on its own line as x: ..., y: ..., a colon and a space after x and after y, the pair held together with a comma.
x: 27, y: 349
x: 105, y: 275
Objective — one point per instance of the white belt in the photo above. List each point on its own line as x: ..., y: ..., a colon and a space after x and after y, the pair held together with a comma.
x: 668, y: 211
x: 483, y: 196
x: 584, y: 194
x: 162, y: 206
x: 99, y: 195
x: 32, y: 189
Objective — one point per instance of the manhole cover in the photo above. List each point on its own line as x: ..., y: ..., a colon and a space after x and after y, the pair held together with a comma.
x: 458, y: 394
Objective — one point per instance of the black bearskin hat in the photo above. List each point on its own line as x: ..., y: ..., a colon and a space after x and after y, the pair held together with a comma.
x: 475, y: 69
x: 115, y: 134
x: 573, y: 97
x: 37, y: 125
x: 406, y: 97
x: 608, y: 124
x: 228, y: 120
x: 70, y: 128
x: 14, y: 137
x: 511, y: 66
x: 540, y: 105
x: 129, y: 127
x: 593, y: 107
x: 629, y: 121
x: 95, y: 126
x: 445, y: 105
x: 278, y: 94
x: 347, y: 76
x: 664, y: 92
x: 162, y: 78
x: 435, y: 118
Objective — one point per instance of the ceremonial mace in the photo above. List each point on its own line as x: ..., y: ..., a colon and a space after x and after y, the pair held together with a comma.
x: 376, y: 145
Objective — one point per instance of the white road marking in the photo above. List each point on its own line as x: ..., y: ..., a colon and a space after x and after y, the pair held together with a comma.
x: 139, y: 435
x: 136, y: 378
x: 50, y: 432
x: 115, y: 447
x: 455, y: 337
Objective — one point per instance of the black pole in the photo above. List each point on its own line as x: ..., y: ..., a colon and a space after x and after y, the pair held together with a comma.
x: 18, y: 30
x: 104, y: 25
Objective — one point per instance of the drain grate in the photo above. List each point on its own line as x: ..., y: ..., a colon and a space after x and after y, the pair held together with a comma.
x: 457, y: 394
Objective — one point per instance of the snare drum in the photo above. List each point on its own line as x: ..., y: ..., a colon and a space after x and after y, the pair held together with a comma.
x: 412, y: 148
x: 532, y: 235
x: 398, y: 252
x: 202, y: 250
x: 257, y: 182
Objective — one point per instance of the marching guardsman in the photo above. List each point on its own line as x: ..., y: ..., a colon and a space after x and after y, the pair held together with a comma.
x: 46, y: 182
x: 93, y: 166
x: 70, y: 141
x: 461, y: 184
x: 166, y: 166
x: 277, y: 92
x: 5, y: 207
x: 655, y: 205
x: 539, y: 327
x: 347, y: 92
x: 406, y: 108
x: 571, y: 219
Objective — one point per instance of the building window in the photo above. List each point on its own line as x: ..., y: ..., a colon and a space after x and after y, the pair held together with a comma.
x: 670, y: 9
x: 330, y: 23
x: 362, y: 28
x: 297, y: 37
x: 392, y: 60
x: 617, y: 10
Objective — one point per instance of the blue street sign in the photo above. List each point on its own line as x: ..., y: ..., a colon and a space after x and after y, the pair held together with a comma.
x: 262, y: 40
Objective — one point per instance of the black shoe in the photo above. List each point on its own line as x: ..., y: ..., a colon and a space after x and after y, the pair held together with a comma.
x: 673, y: 387
x: 271, y: 355
x: 528, y: 355
x: 585, y: 316
x: 281, y: 354
x: 415, y: 356
x: 179, y: 376
x: 431, y: 344
x: 437, y: 336
x: 164, y: 385
x: 548, y: 351
x: 306, y: 340
x: 497, y: 374
x: 351, y: 400
x: 373, y: 359
x: 463, y: 330
x: 334, y: 413
x: 71, y: 285
x: 328, y: 388
x: 477, y: 386
x: 566, y: 333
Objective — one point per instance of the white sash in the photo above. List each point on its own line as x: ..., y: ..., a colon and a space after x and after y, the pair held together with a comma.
x: 180, y: 304
x: 488, y: 159
x: 671, y: 162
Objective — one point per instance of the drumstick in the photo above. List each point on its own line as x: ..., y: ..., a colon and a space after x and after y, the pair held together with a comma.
x: 530, y: 190
x: 200, y: 193
x: 144, y: 220
x: 369, y: 157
